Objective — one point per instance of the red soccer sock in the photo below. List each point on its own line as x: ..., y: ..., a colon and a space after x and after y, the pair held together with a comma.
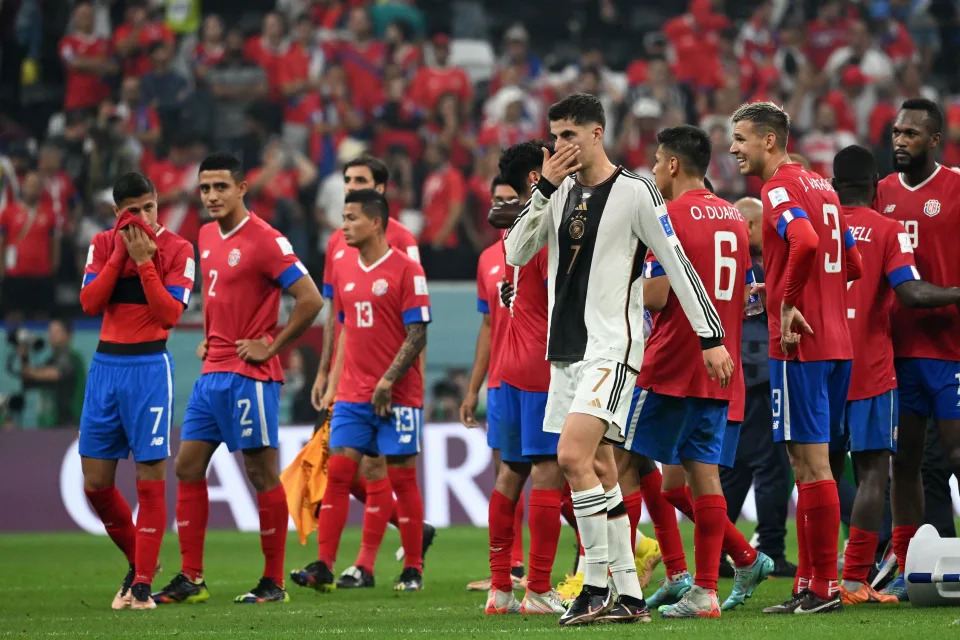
x: 544, y: 523
x: 193, y: 511
x: 117, y: 519
x: 681, y: 500
x: 804, y: 567
x: 151, y: 521
x: 664, y: 523
x: 634, y: 504
x: 500, y: 529
x: 358, y: 489
x: 858, y: 557
x: 902, y: 535
x: 566, y: 507
x: 375, y: 516
x: 410, y: 512
x: 711, y: 519
x: 272, y: 506
x: 822, y: 509
x: 516, y: 554
x: 335, y: 508
x: 736, y: 546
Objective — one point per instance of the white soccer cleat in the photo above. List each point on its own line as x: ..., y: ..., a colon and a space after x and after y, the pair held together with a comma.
x: 122, y: 600
x: 542, y: 603
x: 501, y: 602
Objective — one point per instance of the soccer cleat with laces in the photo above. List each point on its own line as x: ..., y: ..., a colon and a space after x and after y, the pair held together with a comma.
x: 812, y: 603
x: 355, y: 578
x: 670, y: 591
x: 646, y: 556
x: 586, y: 607
x: 897, y: 589
x: 865, y: 594
x: 316, y: 575
x: 747, y: 579
x: 123, y: 598
x: 266, y: 591
x: 788, y: 606
x: 410, y: 580
x: 695, y: 603
x: 542, y: 603
x: 182, y: 590
x: 141, y: 597
x: 626, y: 610
x: 570, y: 587
x: 501, y: 602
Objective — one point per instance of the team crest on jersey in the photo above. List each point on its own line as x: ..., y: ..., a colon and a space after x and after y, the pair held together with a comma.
x: 577, y: 228
x: 931, y: 207
x: 379, y: 287
x: 233, y: 258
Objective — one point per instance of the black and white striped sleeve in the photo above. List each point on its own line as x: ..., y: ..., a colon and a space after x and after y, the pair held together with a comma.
x: 529, y: 232
x: 652, y: 225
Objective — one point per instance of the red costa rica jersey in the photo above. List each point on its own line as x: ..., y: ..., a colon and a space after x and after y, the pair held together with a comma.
x: 714, y: 237
x: 930, y: 214
x: 490, y: 271
x: 28, y: 239
x: 523, y: 362
x: 84, y: 89
x: 378, y: 302
x: 793, y: 192
x: 244, y: 273
x: 887, y: 262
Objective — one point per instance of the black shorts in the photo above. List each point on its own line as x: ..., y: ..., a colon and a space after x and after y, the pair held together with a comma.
x: 30, y: 296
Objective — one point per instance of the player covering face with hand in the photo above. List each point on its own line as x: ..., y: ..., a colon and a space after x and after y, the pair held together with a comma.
x: 246, y: 265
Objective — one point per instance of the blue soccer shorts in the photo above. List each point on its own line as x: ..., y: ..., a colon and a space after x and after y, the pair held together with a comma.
x: 870, y: 424
x: 929, y: 388
x: 808, y: 399
x: 238, y: 411
x: 493, y: 418
x: 521, y: 425
x: 356, y: 425
x: 127, y: 406
x: 731, y: 439
x: 668, y: 428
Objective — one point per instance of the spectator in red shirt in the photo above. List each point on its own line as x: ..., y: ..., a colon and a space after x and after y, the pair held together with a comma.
x: 434, y: 81
x: 826, y: 33
x: 449, y: 128
x: 133, y: 38
x: 209, y: 52
x: 757, y: 41
x: 178, y: 198
x: 59, y: 192
x: 87, y: 60
x: 951, y: 143
x: 821, y: 144
x: 141, y: 118
x: 844, y: 99
x: 401, y: 50
x: 30, y: 251
x: 444, y: 192
x: 267, y: 51
x: 363, y: 59
x: 278, y: 182
x: 639, y: 131
x: 397, y: 121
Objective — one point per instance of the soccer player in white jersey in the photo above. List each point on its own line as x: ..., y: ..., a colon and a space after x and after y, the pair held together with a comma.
x: 597, y: 226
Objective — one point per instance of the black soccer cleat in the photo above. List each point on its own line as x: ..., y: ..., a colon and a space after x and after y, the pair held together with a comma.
x: 355, y: 578
x: 316, y: 575
x: 626, y: 610
x: 410, y: 580
x: 182, y: 590
x: 783, y: 568
x: 592, y: 603
x: 726, y: 568
x: 266, y: 591
x: 812, y: 603
x: 429, y: 533
x: 790, y: 605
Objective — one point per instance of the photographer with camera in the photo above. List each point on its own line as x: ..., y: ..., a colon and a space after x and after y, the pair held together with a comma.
x: 58, y: 381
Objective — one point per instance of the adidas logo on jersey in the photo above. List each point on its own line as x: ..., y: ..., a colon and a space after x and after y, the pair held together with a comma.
x: 246, y: 433
x: 596, y: 403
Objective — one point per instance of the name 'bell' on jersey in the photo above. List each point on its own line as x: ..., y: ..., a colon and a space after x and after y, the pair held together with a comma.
x: 714, y: 236
x: 930, y: 214
x: 490, y: 271
x: 244, y: 272
x: 378, y: 302
x: 597, y: 238
x: 791, y: 193
x: 887, y: 262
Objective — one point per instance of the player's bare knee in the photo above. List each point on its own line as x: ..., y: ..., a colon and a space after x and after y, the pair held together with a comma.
x: 152, y: 470
x: 373, y: 468
x: 546, y: 474
x: 96, y: 482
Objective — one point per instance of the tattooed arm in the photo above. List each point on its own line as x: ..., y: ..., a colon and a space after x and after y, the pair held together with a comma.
x: 408, y: 353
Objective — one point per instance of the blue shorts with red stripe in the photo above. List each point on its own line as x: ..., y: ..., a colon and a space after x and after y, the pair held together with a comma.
x: 808, y: 399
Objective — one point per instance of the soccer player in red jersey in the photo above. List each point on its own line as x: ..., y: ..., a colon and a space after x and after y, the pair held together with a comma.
x: 385, y: 308
x: 371, y: 485
x: 141, y: 282
x: 491, y: 275
x: 246, y: 265
x: 925, y: 197
x: 525, y: 448
x: 680, y: 418
x: 809, y: 255
x: 889, y: 272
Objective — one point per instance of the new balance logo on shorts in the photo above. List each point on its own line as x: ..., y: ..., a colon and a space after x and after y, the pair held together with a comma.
x: 246, y: 433
x: 157, y: 442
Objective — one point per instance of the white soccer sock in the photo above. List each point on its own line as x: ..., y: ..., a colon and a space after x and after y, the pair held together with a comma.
x: 590, y: 507
x: 622, y: 567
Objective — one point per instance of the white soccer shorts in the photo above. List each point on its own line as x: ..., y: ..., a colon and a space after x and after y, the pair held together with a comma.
x: 596, y: 387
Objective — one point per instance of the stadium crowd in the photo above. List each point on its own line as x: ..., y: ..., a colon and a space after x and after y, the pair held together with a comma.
x: 94, y: 89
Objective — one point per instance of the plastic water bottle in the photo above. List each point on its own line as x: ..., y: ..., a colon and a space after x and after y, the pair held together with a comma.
x: 754, y: 306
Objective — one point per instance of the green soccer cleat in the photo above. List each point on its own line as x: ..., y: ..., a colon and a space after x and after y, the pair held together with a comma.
x: 670, y: 591
x: 747, y: 579
x: 266, y: 591
x: 182, y: 590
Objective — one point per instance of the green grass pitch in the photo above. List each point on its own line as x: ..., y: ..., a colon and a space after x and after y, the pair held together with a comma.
x: 60, y: 586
